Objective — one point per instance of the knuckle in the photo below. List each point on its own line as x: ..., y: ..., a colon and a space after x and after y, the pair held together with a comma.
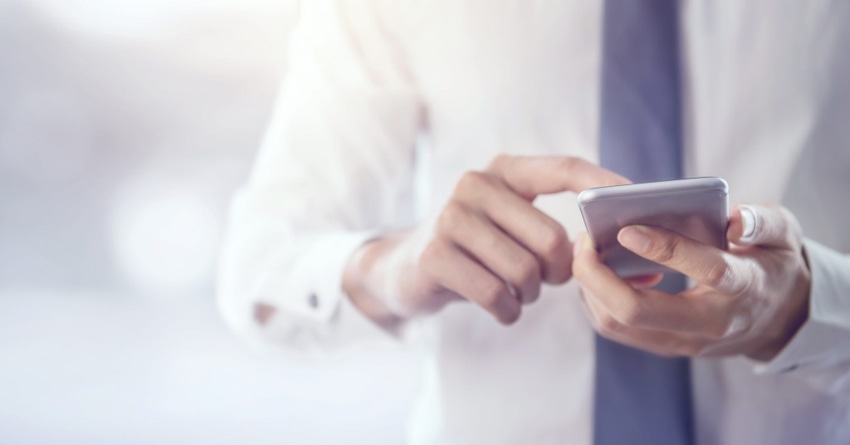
x: 739, y: 288
x: 530, y: 287
x: 569, y: 163
x: 471, y: 181
x: 452, y: 215
x: 716, y: 333
x: 608, y: 325
x: 630, y: 315
x: 718, y: 274
x: 533, y: 295
x: 492, y: 293
x: 509, y: 318
x: 745, y: 281
x: 527, y: 270
x: 433, y: 254
x: 498, y: 161
x: 553, y: 240
x: 665, y: 250
x: 558, y: 273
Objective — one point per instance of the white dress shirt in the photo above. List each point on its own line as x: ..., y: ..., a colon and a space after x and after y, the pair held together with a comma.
x: 388, y: 102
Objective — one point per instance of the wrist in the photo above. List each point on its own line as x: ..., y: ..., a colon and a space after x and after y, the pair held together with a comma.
x: 357, y: 283
x: 792, y: 319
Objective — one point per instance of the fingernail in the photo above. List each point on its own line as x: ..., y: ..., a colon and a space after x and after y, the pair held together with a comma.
x: 748, y: 221
x: 634, y: 238
x: 578, y: 245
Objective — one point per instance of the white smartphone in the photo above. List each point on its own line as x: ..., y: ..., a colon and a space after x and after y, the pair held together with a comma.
x: 696, y: 207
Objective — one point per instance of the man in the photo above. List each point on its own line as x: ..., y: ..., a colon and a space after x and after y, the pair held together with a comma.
x: 413, y: 180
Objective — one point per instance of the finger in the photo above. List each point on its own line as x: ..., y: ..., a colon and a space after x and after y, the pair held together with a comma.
x: 645, y: 281
x: 657, y: 342
x: 648, y: 309
x: 533, y: 229
x: 457, y: 272
x: 706, y: 264
x: 771, y: 226
x: 535, y: 175
x: 492, y: 248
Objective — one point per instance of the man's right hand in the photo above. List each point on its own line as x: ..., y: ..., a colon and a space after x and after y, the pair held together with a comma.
x: 488, y: 245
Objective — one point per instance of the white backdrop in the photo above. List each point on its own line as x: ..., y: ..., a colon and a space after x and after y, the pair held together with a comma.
x: 124, y: 128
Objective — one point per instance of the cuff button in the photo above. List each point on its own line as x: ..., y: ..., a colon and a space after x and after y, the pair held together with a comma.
x: 313, y: 301
x: 788, y: 369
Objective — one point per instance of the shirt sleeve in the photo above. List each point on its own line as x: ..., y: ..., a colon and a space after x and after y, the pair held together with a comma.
x: 335, y: 169
x: 821, y: 348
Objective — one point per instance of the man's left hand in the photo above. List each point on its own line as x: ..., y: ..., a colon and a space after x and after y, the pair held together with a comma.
x: 748, y: 300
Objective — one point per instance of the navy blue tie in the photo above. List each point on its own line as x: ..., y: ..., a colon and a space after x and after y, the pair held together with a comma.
x: 641, y: 398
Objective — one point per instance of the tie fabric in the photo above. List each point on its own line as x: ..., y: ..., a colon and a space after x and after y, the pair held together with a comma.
x: 641, y: 398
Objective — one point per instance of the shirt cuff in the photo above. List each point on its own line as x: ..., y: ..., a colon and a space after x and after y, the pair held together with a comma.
x: 311, y: 288
x: 824, y: 339
x: 313, y: 316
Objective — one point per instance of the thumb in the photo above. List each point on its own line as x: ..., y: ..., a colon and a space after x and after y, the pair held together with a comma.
x: 763, y: 225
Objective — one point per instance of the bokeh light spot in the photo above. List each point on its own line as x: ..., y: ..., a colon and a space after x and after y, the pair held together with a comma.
x: 164, y: 236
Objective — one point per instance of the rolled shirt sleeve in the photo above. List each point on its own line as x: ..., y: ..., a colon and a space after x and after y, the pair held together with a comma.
x: 335, y: 169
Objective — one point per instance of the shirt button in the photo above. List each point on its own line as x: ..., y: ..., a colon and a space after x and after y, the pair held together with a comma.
x: 313, y: 301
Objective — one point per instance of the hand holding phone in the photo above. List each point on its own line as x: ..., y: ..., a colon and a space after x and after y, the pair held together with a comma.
x: 750, y: 295
x: 696, y: 207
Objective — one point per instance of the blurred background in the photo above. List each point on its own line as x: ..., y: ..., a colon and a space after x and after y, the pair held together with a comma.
x: 125, y: 127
